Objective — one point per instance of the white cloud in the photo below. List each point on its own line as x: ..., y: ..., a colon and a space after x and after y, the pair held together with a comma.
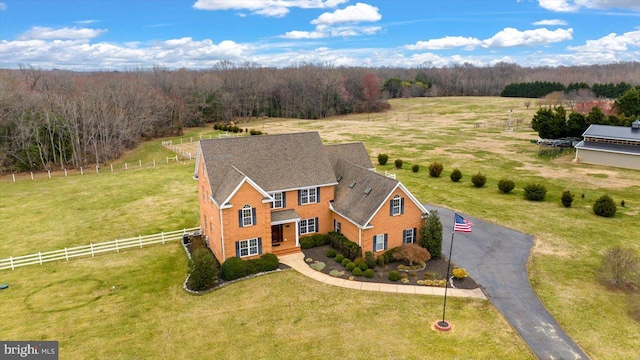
x: 3, y: 6
x: 341, y: 23
x: 40, y: 32
x: 575, y: 5
x: 447, y: 42
x: 351, y: 14
x: 510, y: 37
x: 550, y: 22
x: 84, y: 22
x: 272, y: 8
x: 611, y: 43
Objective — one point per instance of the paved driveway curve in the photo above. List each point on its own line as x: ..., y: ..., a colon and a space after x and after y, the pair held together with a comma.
x: 496, y: 257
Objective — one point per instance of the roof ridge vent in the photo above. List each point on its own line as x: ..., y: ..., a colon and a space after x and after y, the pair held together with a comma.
x: 635, y: 125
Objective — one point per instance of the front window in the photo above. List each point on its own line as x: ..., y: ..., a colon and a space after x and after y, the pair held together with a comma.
x: 338, y: 227
x: 379, y: 242
x: 277, y: 201
x: 395, y: 205
x: 408, y: 236
x: 308, y: 196
x: 307, y: 226
x: 248, y: 247
x: 247, y: 218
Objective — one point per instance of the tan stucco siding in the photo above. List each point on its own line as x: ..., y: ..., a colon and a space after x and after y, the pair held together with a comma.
x: 627, y: 161
x: 209, y: 213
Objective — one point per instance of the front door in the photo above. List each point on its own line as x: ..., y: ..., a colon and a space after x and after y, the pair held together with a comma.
x: 276, y: 235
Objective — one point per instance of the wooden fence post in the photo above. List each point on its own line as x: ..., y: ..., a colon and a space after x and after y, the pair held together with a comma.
x: 117, y: 250
x: 11, y: 262
x: 49, y: 173
x: 91, y: 250
x: 140, y: 240
x: 40, y: 258
x: 14, y: 177
x: 140, y: 163
x: 65, y: 172
x: 111, y: 167
x: 32, y: 175
x: 66, y: 255
x: 81, y: 171
x: 162, y: 234
x: 154, y: 162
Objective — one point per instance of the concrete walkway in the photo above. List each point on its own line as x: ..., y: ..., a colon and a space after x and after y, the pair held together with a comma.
x: 496, y: 258
x: 296, y: 261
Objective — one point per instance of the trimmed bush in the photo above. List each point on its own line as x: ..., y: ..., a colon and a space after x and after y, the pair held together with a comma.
x: 320, y: 239
x: 394, y: 276
x: 479, y: 180
x: 605, y: 206
x: 368, y: 273
x: 203, y: 270
x: 382, y: 159
x: 370, y: 259
x: 331, y: 253
x: 535, y: 192
x: 459, y: 273
x: 339, y: 257
x: 456, y: 175
x: 415, y: 168
x: 567, y: 198
x: 431, y: 232
x: 388, y: 255
x: 350, y: 266
x: 358, y: 261
x: 435, y: 169
x: 363, y: 266
x: 345, y: 261
x: 234, y: 268
x: 306, y: 242
x: 506, y: 185
x: 266, y: 262
x: 398, y: 163
x: 356, y: 271
x: 343, y: 246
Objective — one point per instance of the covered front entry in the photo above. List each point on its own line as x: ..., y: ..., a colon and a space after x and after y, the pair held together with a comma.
x: 284, y: 232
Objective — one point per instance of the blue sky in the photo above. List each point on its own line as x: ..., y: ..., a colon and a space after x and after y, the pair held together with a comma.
x: 118, y: 35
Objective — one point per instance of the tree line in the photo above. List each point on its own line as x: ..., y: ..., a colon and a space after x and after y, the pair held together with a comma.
x: 555, y: 122
x: 539, y: 89
x: 51, y: 119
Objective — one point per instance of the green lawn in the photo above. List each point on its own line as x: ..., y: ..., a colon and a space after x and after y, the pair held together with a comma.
x: 48, y: 214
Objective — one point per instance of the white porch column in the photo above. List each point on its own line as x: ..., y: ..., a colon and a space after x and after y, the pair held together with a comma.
x: 297, y: 237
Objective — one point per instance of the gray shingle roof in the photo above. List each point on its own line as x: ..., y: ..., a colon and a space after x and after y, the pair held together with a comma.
x: 354, y: 153
x: 274, y: 162
x: 611, y: 132
x: 616, y: 148
x: 352, y: 202
x: 284, y: 215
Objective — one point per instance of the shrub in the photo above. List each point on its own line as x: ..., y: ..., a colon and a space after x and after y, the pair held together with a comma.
x: 435, y: 169
x: 350, y: 266
x: 363, y: 266
x: 506, y: 185
x: 306, y: 242
x: 356, y: 271
x: 398, y: 163
x: 368, y: 273
x: 357, y: 261
x: 567, y: 198
x: 345, y: 261
x: 620, y: 267
x: 339, y: 257
x: 431, y: 232
x: 605, y: 206
x: 394, y: 276
x: 266, y: 262
x: 479, y: 180
x: 459, y: 273
x: 456, y: 175
x: 412, y: 253
x: 382, y: 159
x: 343, y: 246
x: 535, y: 192
x: 320, y: 239
x: 234, y: 268
x: 415, y: 168
x: 388, y: 255
x: 331, y: 253
x: 203, y: 270
x: 370, y: 259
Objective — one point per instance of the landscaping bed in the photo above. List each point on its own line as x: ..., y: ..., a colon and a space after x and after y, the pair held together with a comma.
x: 433, y: 270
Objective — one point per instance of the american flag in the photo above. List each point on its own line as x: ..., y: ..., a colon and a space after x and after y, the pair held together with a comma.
x: 462, y: 225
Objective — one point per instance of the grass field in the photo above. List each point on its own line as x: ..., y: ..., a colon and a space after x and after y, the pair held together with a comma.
x: 48, y: 214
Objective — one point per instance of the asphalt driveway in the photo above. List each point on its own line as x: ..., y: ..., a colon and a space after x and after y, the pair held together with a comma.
x: 496, y: 258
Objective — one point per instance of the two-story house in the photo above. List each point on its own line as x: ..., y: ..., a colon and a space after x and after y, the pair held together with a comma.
x: 259, y: 194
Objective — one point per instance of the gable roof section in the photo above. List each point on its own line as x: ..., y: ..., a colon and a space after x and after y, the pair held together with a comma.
x: 352, y: 202
x: 354, y: 153
x: 611, y: 132
x: 272, y: 162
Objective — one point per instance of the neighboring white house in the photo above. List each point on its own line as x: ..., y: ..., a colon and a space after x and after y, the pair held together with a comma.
x: 617, y: 146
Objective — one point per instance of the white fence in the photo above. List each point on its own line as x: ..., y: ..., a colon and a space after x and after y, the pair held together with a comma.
x: 93, y: 249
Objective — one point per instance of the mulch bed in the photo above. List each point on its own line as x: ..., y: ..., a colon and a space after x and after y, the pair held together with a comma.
x: 436, y: 268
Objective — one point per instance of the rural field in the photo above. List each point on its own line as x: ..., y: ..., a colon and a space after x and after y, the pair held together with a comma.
x: 131, y: 305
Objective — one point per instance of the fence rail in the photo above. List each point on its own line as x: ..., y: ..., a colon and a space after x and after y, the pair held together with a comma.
x: 93, y: 249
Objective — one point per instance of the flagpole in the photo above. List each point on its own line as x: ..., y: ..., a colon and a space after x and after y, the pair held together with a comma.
x: 443, y: 323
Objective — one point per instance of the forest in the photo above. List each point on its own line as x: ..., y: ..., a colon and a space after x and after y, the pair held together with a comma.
x: 54, y: 119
